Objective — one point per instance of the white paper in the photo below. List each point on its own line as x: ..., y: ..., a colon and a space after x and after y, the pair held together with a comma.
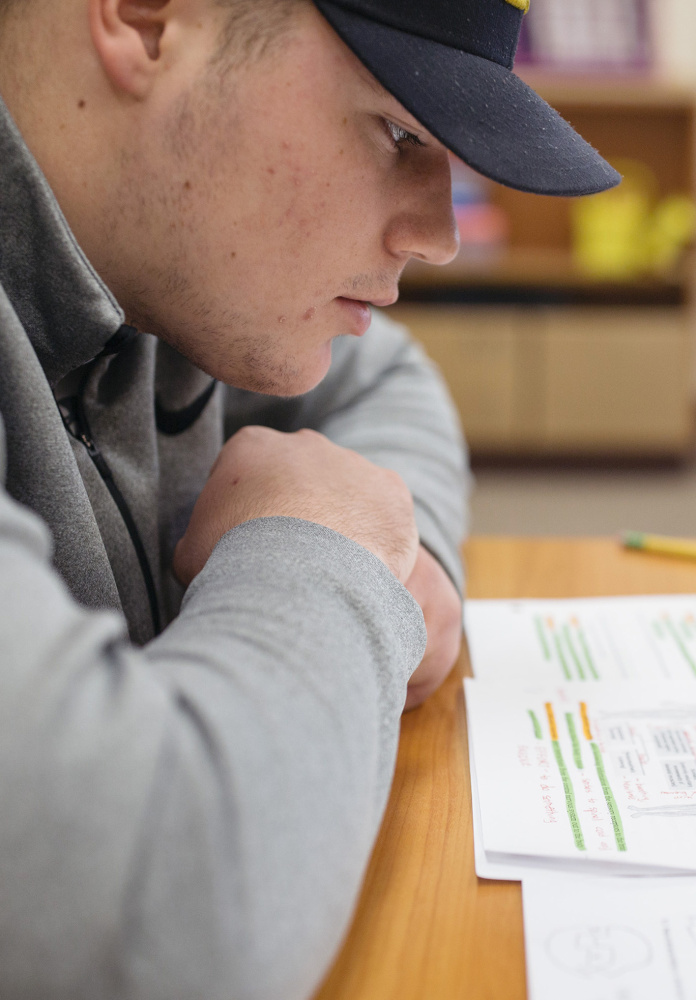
x: 600, y: 776
x: 610, y: 939
x: 586, y: 639
x: 514, y: 868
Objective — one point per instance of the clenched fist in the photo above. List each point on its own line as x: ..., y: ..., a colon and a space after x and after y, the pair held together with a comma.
x: 264, y: 473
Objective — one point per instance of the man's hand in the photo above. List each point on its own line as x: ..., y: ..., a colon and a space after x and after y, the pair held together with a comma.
x: 263, y: 473
x: 442, y: 610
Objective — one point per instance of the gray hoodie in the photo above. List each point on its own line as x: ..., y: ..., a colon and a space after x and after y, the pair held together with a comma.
x: 190, y: 785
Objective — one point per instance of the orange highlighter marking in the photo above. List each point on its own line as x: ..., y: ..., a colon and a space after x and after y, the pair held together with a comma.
x: 587, y: 732
x: 552, y: 720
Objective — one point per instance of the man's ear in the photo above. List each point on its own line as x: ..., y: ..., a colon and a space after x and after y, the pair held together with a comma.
x: 126, y: 35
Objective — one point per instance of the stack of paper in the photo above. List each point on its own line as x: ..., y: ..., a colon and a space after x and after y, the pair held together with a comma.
x: 582, y: 741
x: 572, y: 775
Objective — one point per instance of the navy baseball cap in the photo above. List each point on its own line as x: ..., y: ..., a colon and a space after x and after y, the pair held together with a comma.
x: 449, y: 62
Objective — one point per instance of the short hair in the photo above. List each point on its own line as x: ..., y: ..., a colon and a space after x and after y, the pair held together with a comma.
x: 252, y: 26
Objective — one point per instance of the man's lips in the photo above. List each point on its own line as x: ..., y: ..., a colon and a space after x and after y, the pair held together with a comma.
x: 356, y: 314
x: 358, y: 311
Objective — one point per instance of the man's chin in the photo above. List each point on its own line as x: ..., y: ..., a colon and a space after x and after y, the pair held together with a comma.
x: 288, y: 378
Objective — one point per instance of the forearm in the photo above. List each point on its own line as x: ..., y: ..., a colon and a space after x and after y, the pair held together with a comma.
x: 209, y: 802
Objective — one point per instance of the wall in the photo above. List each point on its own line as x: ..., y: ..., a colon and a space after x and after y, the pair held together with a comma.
x: 674, y: 29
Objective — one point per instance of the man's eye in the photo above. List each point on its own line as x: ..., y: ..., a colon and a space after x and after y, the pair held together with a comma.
x: 401, y: 136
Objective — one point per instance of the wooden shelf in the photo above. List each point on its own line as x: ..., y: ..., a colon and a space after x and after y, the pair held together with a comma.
x: 536, y: 268
x: 621, y: 91
x: 544, y: 359
x: 563, y: 380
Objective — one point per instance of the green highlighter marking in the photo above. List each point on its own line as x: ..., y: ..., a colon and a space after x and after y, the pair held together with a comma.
x: 576, y: 659
x: 569, y: 797
x: 669, y: 625
x: 577, y: 753
x: 588, y: 655
x: 538, y: 621
x: 609, y: 796
x: 561, y: 656
x: 536, y: 724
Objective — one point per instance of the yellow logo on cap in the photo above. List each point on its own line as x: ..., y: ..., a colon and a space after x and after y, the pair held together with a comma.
x: 522, y: 5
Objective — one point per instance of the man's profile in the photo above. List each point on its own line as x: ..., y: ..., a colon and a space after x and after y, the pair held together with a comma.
x: 230, y: 494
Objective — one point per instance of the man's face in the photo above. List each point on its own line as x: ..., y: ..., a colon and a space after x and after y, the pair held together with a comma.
x: 262, y: 210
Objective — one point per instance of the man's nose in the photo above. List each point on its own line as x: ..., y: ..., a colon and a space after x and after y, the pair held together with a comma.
x: 424, y: 226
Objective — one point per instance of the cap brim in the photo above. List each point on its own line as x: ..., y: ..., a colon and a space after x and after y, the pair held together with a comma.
x: 477, y: 108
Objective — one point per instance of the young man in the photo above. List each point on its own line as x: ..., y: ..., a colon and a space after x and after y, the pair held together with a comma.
x: 191, y: 790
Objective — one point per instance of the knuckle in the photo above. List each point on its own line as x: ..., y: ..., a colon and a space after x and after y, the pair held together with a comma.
x: 244, y: 439
x: 253, y: 432
x: 311, y: 440
x: 252, y: 441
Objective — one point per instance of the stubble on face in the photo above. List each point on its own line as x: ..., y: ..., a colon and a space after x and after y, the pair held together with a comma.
x: 250, y: 224
x: 218, y: 338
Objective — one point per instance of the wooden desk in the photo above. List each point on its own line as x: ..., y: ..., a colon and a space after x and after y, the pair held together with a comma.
x: 426, y: 928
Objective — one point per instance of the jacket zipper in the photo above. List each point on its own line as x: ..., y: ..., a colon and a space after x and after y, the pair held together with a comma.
x: 84, y: 435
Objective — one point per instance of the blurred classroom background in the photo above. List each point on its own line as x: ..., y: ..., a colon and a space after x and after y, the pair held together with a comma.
x: 567, y: 328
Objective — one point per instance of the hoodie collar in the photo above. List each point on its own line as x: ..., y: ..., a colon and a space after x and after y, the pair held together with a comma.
x: 66, y: 309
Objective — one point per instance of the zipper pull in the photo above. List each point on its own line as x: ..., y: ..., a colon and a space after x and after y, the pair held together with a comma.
x: 89, y: 445
x: 96, y: 456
